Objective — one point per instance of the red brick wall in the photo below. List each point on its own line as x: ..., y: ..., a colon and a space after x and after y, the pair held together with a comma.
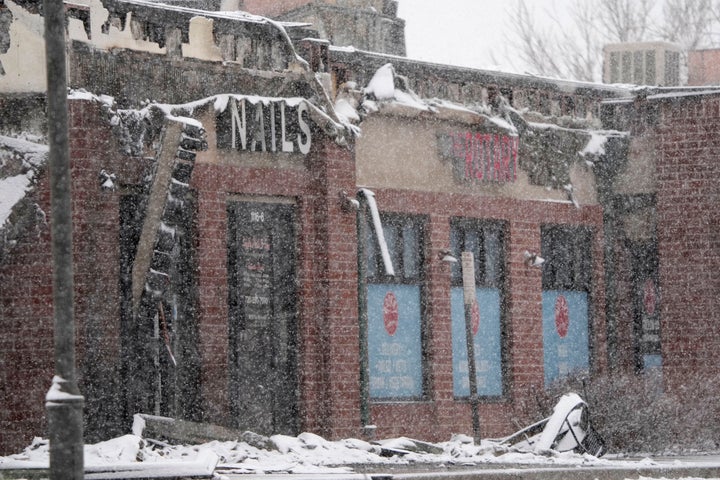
x: 27, y: 354
x: 26, y: 343
x: 437, y: 419
x: 96, y: 248
x: 688, y: 221
x: 327, y: 282
x: 335, y: 289
x: 327, y: 275
x: 704, y: 67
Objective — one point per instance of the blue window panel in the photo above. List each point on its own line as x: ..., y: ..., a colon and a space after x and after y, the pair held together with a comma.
x: 652, y: 361
x: 488, y: 357
x: 395, y: 354
x: 565, y: 343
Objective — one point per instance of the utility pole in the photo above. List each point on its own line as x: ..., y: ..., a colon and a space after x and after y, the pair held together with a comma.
x: 63, y: 402
x: 469, y: 299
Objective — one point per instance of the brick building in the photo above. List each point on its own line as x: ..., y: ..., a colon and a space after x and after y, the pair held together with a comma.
x: 664, y: 233
x: 224, y: 273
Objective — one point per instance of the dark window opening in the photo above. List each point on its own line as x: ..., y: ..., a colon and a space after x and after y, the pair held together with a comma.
x: 159, y: 356
x: 485, y: 241
x: 568, y: 259
x: 646, y: 325
x: 404, y: 238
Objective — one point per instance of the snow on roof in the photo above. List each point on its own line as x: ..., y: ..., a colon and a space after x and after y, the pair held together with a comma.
x: 681, y: 94
x: 12, y: 190
x: 26, y: 149
x: 664, y: 93
x: 225, y: 14
x: 388, y: 92
x: 351, y: 54
x: 386, y: 86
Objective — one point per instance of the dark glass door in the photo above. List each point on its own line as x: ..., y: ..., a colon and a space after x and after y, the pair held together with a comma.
x: 263, y: 317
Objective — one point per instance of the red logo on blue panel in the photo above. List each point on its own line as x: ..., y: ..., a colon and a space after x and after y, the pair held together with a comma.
x: 390, y: 313
x: 562, y: 316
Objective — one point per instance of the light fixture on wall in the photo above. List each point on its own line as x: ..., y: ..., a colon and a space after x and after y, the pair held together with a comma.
x: 347, y: 203
x: 446, y: 256
x: 107, y: 180
x: 533, y: 259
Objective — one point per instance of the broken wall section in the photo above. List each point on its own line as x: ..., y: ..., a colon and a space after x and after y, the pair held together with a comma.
x: 248, y: 41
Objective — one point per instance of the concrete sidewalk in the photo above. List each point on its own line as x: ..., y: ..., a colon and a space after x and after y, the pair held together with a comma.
x: 667, y: 468
x: 707, y: 467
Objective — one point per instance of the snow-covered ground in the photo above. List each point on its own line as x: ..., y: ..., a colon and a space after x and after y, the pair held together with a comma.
x: 310, y: 454
x: 305, y: 454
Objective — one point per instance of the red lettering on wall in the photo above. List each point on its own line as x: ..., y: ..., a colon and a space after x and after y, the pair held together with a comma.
x: 485, y: 157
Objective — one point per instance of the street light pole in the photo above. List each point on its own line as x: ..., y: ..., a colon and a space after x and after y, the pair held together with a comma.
x: 469, y: 299
x: 63, y: 402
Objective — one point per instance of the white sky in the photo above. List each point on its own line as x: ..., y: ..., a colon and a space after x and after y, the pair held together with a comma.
x: 464, y: 32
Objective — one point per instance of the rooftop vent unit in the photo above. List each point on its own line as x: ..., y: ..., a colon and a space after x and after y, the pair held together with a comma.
x: 646, y: 63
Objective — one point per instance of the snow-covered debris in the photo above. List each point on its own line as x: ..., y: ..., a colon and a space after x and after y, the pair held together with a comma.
x: 12, y: 190
x: 566, y: 412
x: 248, y: 452
x: 382, y: 84
x: 306, y: 453
x: 128, y: 456
x: 406, y: 445
x: 20, y: 161
x: 347, y: 102
x: 596, y: 145
x: 389, y: 92
x: 28, y: 150
x: 345, y: 109
x: 387, y: 86
x: 107, y: 180
x: 125, y: 449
